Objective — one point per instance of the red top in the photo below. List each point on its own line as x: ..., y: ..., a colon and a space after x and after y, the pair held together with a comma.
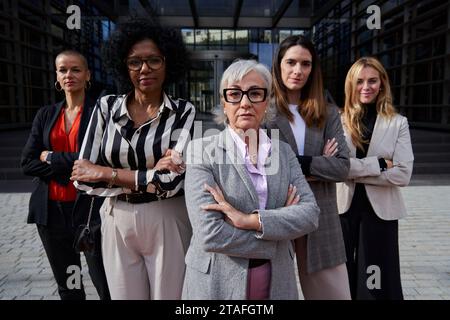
x: 64, y: 142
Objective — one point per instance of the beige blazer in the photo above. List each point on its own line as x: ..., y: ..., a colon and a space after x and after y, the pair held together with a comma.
x: 390, y: 140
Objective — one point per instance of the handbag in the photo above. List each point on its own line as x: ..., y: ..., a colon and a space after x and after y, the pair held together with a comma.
x: 84, y: 235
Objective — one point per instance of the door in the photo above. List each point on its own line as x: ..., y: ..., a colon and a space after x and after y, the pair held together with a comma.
x: 204, y: 77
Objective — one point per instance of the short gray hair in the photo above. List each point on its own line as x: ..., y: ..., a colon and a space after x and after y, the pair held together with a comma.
x: 235, y: 73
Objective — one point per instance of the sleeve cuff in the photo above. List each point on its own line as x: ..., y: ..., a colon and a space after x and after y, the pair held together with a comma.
x: 383, y: 164
x: 305, y: 163
x: 143, y: 178
x: 48, y: 159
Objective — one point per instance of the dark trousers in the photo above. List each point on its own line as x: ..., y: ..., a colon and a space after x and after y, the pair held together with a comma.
x: 372, y: 252
x: 57, y: 238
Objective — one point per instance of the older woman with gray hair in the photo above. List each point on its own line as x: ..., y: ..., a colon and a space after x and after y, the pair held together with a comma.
x: 247, y: 200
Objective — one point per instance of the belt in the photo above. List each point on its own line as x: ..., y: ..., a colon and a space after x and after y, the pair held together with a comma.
x: 137, y: 197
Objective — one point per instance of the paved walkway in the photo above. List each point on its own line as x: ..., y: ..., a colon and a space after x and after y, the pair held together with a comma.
x: 424, y: 248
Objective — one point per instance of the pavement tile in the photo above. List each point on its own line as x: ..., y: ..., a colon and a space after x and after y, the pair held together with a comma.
x: 409, y: 291
x: 16, y: 291
x: 7, y: 297
x: 426, y: 283
x: 42, y: 291
x: 428, y: 297
x: 29, y: 297
x: 425, y: 256
x: 429, y: 291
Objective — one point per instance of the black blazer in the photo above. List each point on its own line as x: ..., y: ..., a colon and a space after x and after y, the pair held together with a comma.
x: 60, y: 168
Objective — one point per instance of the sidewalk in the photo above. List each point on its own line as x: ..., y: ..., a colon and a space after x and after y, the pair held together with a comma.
x: 424, y: 249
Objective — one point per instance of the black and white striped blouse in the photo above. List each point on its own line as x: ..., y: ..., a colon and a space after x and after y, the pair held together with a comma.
x: 112, y: 141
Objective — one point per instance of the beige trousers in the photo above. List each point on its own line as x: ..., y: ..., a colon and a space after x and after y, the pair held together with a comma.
x: 326, y: 284
x: 144, y: 247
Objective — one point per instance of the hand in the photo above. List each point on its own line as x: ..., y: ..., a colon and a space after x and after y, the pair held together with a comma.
x: 234, y: 217
x: 171, y: 161
x: 292, y: 196
x: 330, y: 148
x: 389, y: 163
x: 86, y: 171
x: 43, y: 156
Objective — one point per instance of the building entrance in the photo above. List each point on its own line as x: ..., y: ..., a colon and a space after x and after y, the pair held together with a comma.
x: 204, y: 77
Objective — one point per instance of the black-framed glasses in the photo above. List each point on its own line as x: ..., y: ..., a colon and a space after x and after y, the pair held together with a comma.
x: 153, y: 62
x: 255, y: 95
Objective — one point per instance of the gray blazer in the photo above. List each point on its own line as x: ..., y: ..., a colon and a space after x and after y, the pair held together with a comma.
x: 325, y: 246
x: 218, y: 256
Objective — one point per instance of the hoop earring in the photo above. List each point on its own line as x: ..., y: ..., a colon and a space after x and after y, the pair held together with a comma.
x: 88, y: 85
x: 58, y: 86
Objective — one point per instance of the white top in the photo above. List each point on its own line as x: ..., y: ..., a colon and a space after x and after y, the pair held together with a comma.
x: 298, y: 129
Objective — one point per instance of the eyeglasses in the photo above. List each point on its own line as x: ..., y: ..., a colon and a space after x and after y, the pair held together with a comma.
x: 255, y: 95
x: 153, y: 62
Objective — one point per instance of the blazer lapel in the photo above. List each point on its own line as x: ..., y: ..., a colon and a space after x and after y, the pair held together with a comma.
x: 226, y: 142
x: 379, y: 131
x: 283, y: 124
x: 350, y: 144
x: 273, y: 180
x: 311, y: 141
x: 88, y: 106
x: 48, y: 128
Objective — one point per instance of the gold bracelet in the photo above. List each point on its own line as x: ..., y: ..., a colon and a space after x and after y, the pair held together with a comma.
x: 113, y: 178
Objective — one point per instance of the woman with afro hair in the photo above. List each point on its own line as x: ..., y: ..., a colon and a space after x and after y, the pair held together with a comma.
x: 131, y: 155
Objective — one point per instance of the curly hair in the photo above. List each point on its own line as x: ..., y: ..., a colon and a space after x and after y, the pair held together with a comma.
x: 133, y: 30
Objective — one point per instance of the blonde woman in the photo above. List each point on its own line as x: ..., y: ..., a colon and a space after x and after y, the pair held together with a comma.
x: 370, y: 200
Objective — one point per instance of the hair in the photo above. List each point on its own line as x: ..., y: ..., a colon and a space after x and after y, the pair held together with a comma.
x: 312, y: 99
x: 354, y: 110
x: 235, y: 73
x: 168, y: 40
x: 72, y: 52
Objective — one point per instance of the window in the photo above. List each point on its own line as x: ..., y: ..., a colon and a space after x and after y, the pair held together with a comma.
x: 242, y: 37
x: 201, y: 39
x: 283, y: 34
x: 227, y: 38
x: 421, y: 94
x: 215, y: 39
x: 57, y: 31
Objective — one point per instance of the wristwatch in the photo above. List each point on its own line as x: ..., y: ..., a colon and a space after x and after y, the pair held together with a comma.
x: 48, y: 158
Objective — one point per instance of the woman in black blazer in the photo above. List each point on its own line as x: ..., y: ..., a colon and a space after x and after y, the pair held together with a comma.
x: 55, y: 206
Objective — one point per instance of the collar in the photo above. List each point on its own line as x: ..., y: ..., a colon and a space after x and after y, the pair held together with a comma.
x: 123, y: 110
x: 264, y: 146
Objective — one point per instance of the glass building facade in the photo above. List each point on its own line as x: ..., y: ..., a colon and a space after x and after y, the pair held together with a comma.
x: 31, y: 33
x: 413, y: 43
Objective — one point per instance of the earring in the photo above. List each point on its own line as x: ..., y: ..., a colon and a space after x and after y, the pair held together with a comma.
x: 88, y: 85
x: 58, y: 86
